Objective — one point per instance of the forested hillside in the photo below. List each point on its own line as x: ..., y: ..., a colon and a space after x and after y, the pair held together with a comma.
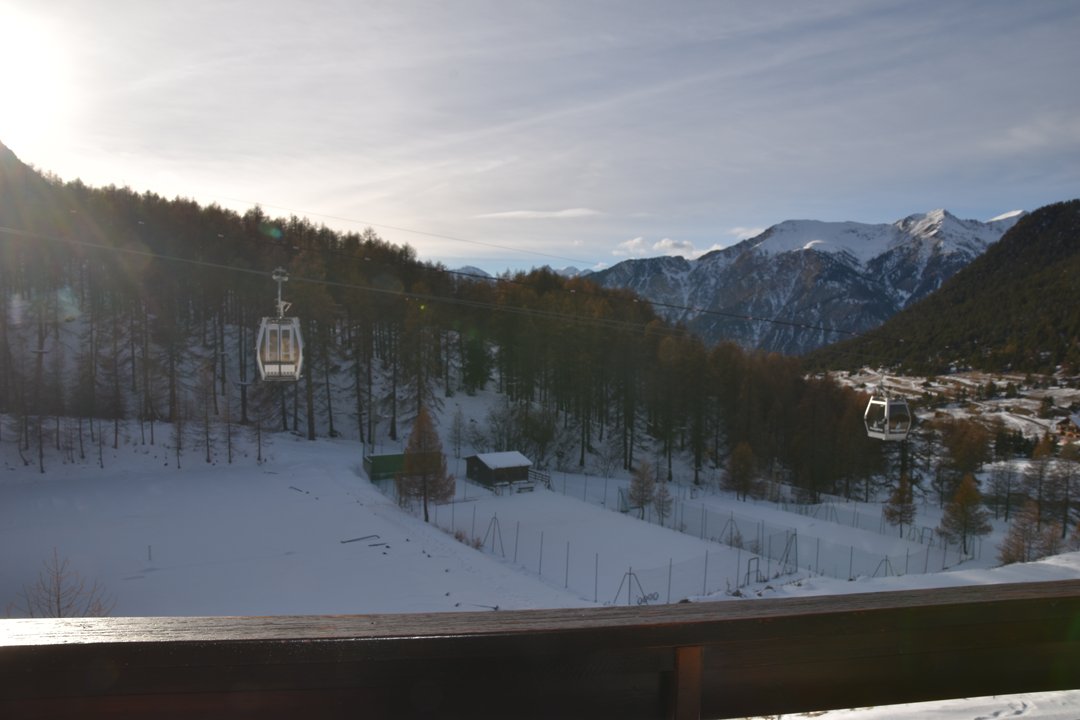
x: 125, y: 307
x: 1013, y: 308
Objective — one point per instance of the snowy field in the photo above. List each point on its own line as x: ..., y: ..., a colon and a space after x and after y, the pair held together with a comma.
x: 306, y: 533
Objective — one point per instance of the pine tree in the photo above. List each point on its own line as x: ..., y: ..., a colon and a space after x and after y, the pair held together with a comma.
x: 423, y: 474
x: 965, y: 517
x: 900, y: 510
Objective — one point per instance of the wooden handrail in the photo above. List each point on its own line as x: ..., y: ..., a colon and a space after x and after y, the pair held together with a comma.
x: 719, y: 659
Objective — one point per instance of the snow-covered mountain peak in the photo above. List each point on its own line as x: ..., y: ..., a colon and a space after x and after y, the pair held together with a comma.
x: 861, y: 241
x: 864, y: 242
x: 811, y: 274
x: 949, y: 234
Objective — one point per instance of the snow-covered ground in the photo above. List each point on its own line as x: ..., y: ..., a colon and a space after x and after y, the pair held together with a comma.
x: 305, y: 532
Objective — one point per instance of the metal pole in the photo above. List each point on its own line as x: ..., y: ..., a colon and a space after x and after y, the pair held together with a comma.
x: 705, y: 575
x: 669, y: 563
x: 596, y: 578
x: 566, y: 579
x: 517, y: 534
x: 540, y: 568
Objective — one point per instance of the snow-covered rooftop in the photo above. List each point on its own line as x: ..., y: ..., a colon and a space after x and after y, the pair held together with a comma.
x: 500, y: 460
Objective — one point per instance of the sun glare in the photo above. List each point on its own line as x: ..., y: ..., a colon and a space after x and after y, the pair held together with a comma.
x: 33, y: 92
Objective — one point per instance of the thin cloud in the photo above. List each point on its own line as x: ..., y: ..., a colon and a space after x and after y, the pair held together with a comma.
x: 639, y: 247
x: 540, y: 214
x: 675, y: 247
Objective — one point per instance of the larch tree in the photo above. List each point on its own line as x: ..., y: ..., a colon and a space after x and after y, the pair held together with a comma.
x: 423, y: 474
x: 965, y: 517
x: 1027, y: 540
x: 900, y: 509
x: 642, y: 487
x: 742, y: 471
x: 1036, y: 477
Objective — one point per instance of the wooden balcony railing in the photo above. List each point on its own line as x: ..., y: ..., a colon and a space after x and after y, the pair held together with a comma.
x: 684, y: 661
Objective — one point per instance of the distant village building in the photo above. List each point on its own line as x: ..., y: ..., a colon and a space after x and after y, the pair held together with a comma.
x: 1069, y: 428
x: 495, y: 468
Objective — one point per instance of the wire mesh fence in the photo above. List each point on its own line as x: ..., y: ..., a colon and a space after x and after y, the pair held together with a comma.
x: 780, y: 545
x: 749, y: 549
x: 564, y: 561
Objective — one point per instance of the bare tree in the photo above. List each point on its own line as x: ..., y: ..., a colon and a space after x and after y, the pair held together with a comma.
x: 662, y: 501
x: 61, y: 591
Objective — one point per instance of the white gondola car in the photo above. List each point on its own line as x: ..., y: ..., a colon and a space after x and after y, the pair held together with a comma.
x: 887, y: 418
x: 279, y: 346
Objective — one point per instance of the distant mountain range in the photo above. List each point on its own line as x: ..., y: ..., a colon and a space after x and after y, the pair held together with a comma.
x: 802, y: 284
x: 1012, y: 308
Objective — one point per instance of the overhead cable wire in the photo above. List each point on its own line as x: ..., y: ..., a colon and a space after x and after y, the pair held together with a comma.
x: 546, y: 314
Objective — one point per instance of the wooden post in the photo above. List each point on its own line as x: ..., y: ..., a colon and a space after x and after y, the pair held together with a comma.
x: 686, y: 700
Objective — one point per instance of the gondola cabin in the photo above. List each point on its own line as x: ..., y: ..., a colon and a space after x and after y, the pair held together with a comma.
x: 279, y: 348
x: 887, y: 418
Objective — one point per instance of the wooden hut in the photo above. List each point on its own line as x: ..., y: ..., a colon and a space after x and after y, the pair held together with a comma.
x: 491, y: 469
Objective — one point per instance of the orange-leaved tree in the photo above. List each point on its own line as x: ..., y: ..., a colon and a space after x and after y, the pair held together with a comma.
x: 423, y: 474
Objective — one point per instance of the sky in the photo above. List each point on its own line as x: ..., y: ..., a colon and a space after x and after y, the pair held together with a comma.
x: 507, y: 135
